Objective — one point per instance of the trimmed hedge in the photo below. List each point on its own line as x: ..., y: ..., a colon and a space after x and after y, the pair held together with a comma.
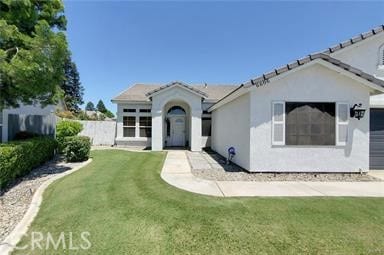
x: 20, y: 157
x: 77, y: 148
x: 67, y: 128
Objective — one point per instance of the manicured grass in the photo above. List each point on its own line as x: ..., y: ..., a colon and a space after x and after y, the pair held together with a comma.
x: 128, y: 209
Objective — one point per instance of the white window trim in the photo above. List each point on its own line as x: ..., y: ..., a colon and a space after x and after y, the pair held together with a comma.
x: 277, y: 122
x: 124, y: 126
x: 338, y: 123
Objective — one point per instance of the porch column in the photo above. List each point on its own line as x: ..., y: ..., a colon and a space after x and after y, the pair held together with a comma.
x: 157, y: 130
x: 196, y: 130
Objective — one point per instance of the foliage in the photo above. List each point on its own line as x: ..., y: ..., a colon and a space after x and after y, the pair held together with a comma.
x: 125, y: 190
x: 109, y: 114
x: 77, y: 148
x: 101, y: 107
x: 66, y: 115
x: 66, y: 128
x: 19, y: 158
x: 90, y: 107
x: 33, y: 48
x: 73, y: 90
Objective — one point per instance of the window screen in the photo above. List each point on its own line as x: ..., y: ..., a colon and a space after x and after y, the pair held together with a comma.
x: 129, y: 110
x: 310, y: 123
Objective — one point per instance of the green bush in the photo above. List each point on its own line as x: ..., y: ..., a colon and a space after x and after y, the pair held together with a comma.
x: 77, y: 148
x: 67, y: 128
x: 20, y: 157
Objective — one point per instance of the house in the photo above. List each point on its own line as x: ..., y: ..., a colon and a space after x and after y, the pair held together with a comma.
x: 32, y: 118
x: 307, y: 116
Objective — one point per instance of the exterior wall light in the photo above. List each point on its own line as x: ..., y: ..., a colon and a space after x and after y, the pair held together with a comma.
x: 357, y: 112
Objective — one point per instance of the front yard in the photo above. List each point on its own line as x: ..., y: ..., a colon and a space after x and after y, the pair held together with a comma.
x: 127, y: 208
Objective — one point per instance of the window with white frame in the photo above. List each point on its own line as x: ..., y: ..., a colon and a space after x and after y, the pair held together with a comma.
x: 309, y: 123
x: 129, y: 126
x: 145, y: 125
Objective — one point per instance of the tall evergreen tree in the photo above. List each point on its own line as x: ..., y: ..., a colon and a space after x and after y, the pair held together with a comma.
x: 101, y: 107
x: 73, y: 90
x: 90, y: 107
x: 33, y: 50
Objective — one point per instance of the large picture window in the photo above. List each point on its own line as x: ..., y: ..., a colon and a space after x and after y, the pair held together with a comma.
x: 145, y: 126
x: 129, y: 126
x: 310, y: 123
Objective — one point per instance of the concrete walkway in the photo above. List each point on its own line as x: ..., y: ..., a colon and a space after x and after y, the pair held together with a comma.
x: 177, y: 172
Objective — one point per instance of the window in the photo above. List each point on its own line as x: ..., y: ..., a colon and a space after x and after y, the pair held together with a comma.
x: 176, y: 110
x: 129, y: 110
x: 310, y: 123
x: 206, y: 126
x: 145, y: 126
x: 278, y: 126
x: 129, y: 125
x: 342, y: 123
x: 145, y: 110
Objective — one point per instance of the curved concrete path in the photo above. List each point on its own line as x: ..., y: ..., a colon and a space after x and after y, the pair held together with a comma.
x: 177, y: 172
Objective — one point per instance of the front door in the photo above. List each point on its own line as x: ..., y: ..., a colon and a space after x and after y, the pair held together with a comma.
x: 177, y: 131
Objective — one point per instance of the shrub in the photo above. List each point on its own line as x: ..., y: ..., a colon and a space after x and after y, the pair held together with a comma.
x: 20, y: 157
x: 67, y: 128
x: 77, y: 148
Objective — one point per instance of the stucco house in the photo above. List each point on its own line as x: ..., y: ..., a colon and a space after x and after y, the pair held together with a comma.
x: 305, y: 116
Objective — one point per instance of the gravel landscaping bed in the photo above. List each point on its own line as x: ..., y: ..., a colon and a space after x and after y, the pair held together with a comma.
x: 15, y: 200
x: 211, y: 166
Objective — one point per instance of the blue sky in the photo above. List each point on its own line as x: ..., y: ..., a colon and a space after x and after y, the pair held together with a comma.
x: 118, y: 43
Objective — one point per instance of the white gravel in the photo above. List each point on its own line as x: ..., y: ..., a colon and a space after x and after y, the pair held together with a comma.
x: 211, y: 166
x: 15, y: 200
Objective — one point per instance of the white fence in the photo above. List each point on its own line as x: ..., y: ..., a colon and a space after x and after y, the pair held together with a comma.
x: 101, y: 132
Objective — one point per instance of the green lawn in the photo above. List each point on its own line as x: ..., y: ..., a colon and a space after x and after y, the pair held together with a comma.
x: 127, y: 208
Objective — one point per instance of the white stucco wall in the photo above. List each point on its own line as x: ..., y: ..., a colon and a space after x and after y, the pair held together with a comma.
x: 315, y: 83
x: 230, y: 127
x: 366, y: 55
x: 176, y: 94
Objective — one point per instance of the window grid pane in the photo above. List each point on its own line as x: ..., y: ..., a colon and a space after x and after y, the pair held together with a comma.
x: 310, y: 124
x: 129, y: 132
x: 129, y: 121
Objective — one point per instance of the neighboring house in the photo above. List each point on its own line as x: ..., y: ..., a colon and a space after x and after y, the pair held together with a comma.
x: 297, y: 118
x: 31, y: 118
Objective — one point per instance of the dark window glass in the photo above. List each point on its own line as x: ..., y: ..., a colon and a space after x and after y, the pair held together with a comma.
x: 129, y: 131
x: 145, y: 121
x: 145, y: 126
x: 129, y: 121
x: 145, y: 132
x: 145, y: 110
x: 310, y: 123
x: 206, y: 126
x: 129, y: 110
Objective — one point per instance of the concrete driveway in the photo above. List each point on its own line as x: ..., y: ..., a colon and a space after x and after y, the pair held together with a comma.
x: 177, y: 172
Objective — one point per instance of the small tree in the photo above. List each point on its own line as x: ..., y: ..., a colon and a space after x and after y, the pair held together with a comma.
x: 101, y: 107
x: 90, y: 107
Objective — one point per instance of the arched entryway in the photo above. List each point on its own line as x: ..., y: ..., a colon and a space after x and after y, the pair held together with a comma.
x: 176, y: 124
